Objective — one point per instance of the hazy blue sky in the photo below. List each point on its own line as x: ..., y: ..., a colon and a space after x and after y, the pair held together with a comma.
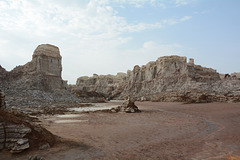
x: 110, y: 36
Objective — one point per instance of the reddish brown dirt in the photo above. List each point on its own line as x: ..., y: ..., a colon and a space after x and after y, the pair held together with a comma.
x: 160, y: 131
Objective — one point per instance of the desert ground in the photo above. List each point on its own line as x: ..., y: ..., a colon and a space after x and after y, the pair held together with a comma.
x: 163, y: 130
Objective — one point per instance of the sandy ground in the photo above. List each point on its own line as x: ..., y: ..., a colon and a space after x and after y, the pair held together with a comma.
x: 161, y: 131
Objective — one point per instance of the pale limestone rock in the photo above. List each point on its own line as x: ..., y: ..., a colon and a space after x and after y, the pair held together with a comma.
x: 108, y: 85
x: 191, y: 61
x: 47, y: 50
x: 47, y: 59
x: 170, y: 78
x: 43, y: 72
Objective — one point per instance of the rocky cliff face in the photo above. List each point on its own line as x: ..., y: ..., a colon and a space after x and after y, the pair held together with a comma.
x: 38, y: 82
x: 170, y: 78
x: 108, y: 85
x: 167, y: 74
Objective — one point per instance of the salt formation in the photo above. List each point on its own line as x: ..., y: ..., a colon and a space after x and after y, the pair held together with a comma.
x: 169, y: 78
x: 47, y: 59
x: 37, y: 83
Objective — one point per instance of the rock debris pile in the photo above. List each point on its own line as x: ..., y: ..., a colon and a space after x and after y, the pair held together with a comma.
x: 127, y: 106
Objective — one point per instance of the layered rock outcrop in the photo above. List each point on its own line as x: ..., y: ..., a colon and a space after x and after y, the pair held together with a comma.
x: 12, y: 137
x: 170, y: 78
x: 17, y: 135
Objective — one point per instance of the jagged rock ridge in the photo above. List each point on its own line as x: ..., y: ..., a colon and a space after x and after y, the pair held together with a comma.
x: 170, y: 78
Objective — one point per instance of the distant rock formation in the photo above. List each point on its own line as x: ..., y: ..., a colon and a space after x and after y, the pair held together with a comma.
x: 236, y: 75
x: 170, y: 78
x: 167, y: 74
x: 107, y: 85
x: 38, y: 82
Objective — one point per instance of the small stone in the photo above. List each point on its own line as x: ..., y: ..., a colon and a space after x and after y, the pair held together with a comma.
x: 36, y: 157
x: 22, y: 141
x: 44, y: 146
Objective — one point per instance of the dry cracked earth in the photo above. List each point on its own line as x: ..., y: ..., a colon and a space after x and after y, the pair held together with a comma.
x: 167, y: 131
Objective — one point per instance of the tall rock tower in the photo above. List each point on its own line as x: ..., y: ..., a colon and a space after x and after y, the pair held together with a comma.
x: 46, y: 59
x: 43, y: 72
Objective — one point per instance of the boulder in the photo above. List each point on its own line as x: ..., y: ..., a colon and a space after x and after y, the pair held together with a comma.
x: 127, y: 106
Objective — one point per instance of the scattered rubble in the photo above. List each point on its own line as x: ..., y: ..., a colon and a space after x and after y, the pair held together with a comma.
x: 127, y: 106
x: 36, y: 157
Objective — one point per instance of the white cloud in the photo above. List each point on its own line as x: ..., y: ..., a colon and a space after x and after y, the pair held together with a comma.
x: 159, y: 49
x: 149, y: 51
x: 202, y: 12
x: 179, y: 3
x: 44, y: 18
x: 154, y: 3
x: 88, y: 34
x: 185, y: 18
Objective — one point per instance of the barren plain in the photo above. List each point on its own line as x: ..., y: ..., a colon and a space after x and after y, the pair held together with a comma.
x: 163, y: 130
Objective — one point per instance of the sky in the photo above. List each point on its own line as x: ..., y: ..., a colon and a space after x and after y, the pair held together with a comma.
x: 111, y: 36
